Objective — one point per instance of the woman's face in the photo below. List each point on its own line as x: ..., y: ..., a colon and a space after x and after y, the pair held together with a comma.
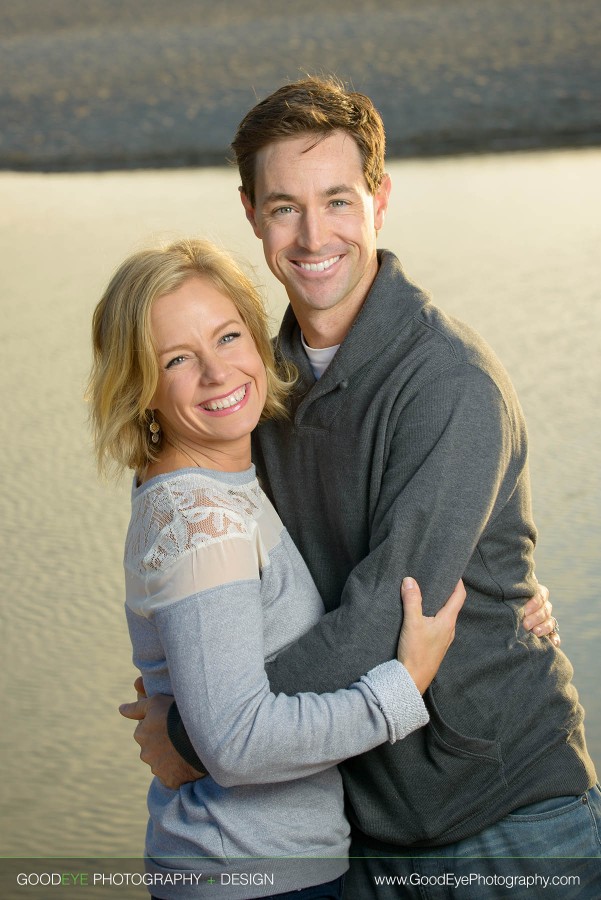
x: 212, y: 382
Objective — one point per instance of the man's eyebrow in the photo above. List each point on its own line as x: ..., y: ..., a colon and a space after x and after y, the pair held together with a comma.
x: 281, y: 197
x: 339, y: 189
x: 277, y: 197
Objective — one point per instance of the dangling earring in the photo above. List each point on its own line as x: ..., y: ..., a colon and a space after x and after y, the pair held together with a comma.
x: 155, y: 429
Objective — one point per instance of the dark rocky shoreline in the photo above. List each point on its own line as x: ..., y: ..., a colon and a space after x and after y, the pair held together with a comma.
x: 123, y: 84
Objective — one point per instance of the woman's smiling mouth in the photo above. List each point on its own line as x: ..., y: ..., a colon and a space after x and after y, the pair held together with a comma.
x: 230, y: 403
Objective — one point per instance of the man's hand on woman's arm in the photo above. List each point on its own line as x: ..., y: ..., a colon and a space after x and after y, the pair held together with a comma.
x: 151, y: 734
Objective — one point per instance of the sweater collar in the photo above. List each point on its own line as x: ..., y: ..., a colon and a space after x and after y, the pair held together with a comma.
x: 392, y: 300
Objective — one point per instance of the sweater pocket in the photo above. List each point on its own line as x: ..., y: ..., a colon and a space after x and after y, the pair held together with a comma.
x: 455, y: 743
x: 425, y: 789
x: 462, y: 773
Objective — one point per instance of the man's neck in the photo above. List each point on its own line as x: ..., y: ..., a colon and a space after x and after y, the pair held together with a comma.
x: 320, y: 334
x: 324, y: 328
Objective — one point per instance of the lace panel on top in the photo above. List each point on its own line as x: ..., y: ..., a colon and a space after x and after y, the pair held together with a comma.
x: 173, y: 517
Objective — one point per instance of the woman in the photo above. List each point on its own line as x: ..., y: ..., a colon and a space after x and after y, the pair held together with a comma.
x: 183, y: 372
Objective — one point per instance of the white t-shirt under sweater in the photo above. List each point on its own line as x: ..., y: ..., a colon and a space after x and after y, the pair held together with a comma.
x: 214, y: 587
x: 319, y: 359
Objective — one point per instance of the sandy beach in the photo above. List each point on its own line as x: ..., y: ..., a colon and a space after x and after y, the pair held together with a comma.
x: 112, y: 85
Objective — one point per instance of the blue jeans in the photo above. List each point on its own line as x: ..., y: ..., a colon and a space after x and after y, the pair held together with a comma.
x: 550, y: 849
x: 330, y: 891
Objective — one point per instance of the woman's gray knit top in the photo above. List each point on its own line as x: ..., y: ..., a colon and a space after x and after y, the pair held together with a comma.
x: 214, y: 588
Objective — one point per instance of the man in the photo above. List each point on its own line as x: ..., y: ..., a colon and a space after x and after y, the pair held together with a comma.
x: 405, y: 453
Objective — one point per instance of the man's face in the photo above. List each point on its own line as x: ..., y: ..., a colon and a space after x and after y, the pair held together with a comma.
x: 318, y: 223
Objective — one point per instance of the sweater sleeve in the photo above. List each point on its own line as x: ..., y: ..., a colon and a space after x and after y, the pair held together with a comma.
x: 457, y: 455
x: 243, y: 733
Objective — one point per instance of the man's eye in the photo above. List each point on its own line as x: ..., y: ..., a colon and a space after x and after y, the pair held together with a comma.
x: 283, y: 210
x: 339, y: 203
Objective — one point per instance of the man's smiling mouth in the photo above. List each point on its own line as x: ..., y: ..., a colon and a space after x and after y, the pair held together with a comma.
x: 317, y: 267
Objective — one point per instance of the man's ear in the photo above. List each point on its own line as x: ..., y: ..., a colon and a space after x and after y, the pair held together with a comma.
x: 250, y: 212
x: 381, y: 198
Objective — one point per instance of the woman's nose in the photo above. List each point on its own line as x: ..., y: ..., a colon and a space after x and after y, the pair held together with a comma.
x: 214, y: 369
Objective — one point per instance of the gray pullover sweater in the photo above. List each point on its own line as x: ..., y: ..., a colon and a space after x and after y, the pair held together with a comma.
x: 409, y: 457
x: 214, y: 586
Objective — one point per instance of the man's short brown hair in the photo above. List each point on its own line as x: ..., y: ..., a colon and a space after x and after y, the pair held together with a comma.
x: 315, y: 106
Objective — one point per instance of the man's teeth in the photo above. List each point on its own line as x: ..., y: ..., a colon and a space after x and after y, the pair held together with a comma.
x: 319, y: 267
x: 226, y: 402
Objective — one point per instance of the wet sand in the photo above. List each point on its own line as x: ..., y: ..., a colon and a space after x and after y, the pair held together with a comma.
x: 116, y: 85
x: 508, y: 243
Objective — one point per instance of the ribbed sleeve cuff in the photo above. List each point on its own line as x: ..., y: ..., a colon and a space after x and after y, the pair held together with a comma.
x: 398, y: 698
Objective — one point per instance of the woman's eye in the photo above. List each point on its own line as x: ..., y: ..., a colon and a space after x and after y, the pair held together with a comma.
x: 228, y: 338
x: 175, y: 361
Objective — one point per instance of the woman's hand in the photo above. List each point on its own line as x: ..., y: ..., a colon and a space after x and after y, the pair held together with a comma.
x: 539, y: 618
x: 424, y: 640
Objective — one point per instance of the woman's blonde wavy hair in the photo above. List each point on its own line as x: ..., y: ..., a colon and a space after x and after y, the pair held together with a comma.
x: 125, y: 369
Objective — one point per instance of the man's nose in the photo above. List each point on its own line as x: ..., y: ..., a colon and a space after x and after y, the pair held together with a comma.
x: 313, y: 231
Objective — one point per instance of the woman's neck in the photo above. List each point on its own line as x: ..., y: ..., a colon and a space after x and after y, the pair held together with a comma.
x: 174, y: 455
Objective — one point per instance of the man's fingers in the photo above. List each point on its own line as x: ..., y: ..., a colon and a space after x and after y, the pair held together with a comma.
x: 139, y: 708
x: 136, y: 710
x: 138, y: 738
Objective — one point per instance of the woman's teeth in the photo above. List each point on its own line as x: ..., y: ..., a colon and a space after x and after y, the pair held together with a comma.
x: 226, y: 402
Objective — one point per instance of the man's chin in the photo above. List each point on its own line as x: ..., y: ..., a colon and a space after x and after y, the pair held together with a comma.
x: 313, y: 302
